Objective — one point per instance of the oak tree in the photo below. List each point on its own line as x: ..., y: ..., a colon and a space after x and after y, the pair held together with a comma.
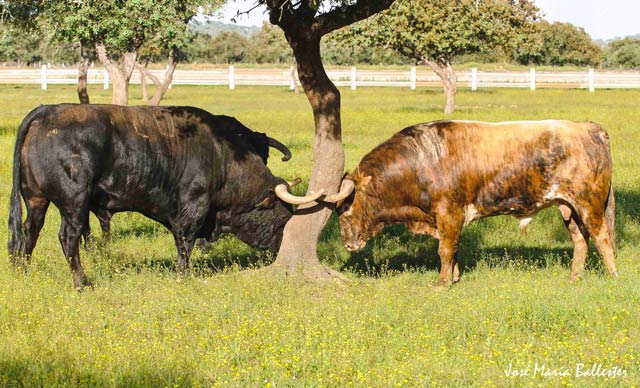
x: 435, y: 32
x: 305, y: 23
x: 116, y: 29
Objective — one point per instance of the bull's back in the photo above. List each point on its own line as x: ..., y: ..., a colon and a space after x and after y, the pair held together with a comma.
x: 130, y: 157
x: 519, y: 167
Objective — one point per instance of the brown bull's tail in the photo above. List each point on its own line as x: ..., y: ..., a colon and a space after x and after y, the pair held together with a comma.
x: 610, y: 218
x: 16, y: 244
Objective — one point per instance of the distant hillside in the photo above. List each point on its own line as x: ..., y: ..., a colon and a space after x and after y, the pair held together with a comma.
x: 215, y: 27
x: 603, y: 43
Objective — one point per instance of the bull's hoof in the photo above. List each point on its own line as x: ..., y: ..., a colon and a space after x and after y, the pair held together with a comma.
x: 575, y: 278
x: 441, y: 285
x: 81, y: 282
x: 20, y: 264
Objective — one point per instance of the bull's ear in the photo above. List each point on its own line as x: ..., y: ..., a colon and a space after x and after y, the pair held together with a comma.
x: 362, y: 182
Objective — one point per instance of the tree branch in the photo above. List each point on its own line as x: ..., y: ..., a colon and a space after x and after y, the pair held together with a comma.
x: 147, y: 73
x: 346, y: 15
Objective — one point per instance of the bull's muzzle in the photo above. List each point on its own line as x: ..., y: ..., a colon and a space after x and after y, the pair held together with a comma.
x: 354, y: 246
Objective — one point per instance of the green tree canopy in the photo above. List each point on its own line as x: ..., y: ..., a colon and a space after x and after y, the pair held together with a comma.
x: 624, y: 53
x: 435, y: 32
x: 558, y: 44
x: 116, y: 28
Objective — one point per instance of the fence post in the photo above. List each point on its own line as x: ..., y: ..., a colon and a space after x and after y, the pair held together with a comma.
x: 232, y: 77
x: 474, y: 79
x: 43, y: 77
x: 353, y: 78
x: 592, y: 81
x: 105, y: 78
x: 413, y: 78
x: 532, y: 79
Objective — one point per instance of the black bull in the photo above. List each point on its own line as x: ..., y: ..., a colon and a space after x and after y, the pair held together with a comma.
x: 180, y: 166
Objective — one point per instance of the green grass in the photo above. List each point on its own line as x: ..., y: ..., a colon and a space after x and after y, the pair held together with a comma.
x: 224, y: 326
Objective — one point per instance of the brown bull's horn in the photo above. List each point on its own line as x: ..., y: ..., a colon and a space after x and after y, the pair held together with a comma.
x: 294, y: 182
x: 346, y: 188
x: 280, y: 147
x: 283, y: 193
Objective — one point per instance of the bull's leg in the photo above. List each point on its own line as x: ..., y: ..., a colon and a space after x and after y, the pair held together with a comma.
x: 456, y: 268
x: 36, y: 210
x: 605, y: 247
x: 598, y: 229
x: 580, y: 238
x: 104, y: 217
x: 87, y: 237
x: 71, y: 230
x: 449, y: 228
x: 184, y: 244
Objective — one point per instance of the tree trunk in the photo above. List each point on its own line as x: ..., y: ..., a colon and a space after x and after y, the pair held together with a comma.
x: 119, y: 73
x: 293, y: 73
x: 143, y: 84
x: 297, y: 254
x: 83, y: 71
x: 445, y: 71
x: 161, y: 88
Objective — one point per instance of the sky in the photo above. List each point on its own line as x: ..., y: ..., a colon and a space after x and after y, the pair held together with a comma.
x: 602, y: 19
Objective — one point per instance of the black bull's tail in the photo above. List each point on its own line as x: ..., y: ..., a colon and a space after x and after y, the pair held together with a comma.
x: 16, y: 243
x: 610, y: 219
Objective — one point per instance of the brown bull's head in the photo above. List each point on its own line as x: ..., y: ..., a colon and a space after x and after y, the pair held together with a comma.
x: 355, y: 207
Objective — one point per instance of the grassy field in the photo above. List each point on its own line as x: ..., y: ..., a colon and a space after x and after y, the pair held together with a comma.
x: 225, y: 325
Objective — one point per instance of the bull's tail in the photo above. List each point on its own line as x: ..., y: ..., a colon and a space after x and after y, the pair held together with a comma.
x: 16, y: 243
x: 610, y: 218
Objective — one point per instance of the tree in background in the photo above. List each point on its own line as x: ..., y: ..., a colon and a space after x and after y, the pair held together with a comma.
x: 565, y: 44
x: 115, y: 29
x: 435, y: 32
x: 557, y: 44
x: 269, y: 45
x: 304, y: 23
x: 623, y: 53
x: 228, y: 47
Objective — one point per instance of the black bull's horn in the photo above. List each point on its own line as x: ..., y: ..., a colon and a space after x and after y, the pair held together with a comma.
x: 346, y: 188
x: 280, y: 147
x: 282, y: 191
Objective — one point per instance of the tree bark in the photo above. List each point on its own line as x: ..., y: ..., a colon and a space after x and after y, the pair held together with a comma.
x: 445, y: 71
x: 161, y: 87
x: 119, y: 72
x: 293, y: 73
x: 83, y: 71
x: 297, y: 254
x: 143, y: 84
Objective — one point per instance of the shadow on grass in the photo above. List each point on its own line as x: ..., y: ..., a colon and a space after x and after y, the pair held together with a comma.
x: 417, y: 252
x: 395, y: 250
x: 64, y: 373
x: 206, y: 259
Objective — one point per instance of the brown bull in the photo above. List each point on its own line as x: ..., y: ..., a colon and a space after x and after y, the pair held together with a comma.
x: 435, y: 178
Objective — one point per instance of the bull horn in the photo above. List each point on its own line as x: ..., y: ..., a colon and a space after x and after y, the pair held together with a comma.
x: 283, y: 193
x: 280, y: 147
x: 346, y: 188
x: 294, y: 182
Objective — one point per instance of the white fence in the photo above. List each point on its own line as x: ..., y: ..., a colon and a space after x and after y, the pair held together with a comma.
x: 411, y: 78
